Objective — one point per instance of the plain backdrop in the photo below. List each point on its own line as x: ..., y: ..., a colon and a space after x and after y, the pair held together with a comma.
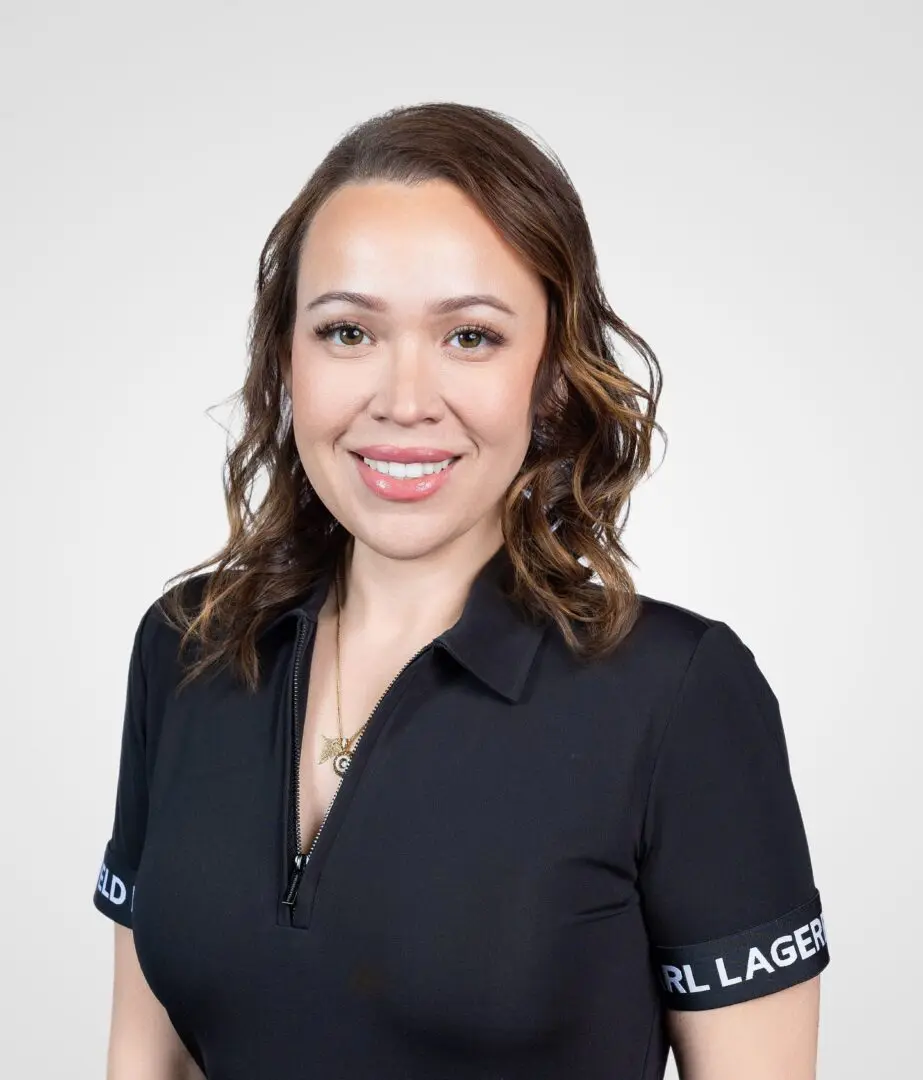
x: 752, y: 175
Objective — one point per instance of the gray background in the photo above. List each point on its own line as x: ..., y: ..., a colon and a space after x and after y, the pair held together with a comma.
x: 752, y: 175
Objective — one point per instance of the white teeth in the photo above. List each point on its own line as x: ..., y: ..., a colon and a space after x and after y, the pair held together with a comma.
x: 411, y: 469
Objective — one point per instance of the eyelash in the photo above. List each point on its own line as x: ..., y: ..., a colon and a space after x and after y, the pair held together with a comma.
x: 324, y: 330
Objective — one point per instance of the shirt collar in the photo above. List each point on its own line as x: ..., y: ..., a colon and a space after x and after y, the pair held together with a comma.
x: 493, y: 638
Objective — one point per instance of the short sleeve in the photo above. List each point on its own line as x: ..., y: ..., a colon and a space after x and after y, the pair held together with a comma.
x: 725, y: 876
x: 116, y: 880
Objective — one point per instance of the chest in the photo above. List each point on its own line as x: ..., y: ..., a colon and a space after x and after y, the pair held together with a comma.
x: 473, y: 870
x: 339, y: 702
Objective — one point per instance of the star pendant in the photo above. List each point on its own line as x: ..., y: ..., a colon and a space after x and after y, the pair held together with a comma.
x: 331, y: 748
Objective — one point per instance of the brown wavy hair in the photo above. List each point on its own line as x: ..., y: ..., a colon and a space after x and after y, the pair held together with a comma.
x: 563, y: 514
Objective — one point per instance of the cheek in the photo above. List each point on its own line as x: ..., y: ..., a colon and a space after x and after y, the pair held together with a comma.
x: 501, y: 413
x: 320, y: 406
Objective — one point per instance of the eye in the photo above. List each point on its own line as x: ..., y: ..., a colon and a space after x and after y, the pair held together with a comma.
x: 473, y: 334
x: 326, y: 329
x: 477, y: 330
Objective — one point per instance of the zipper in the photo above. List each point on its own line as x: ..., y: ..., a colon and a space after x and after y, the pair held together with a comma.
x: 300, y: 860
x: 295, y: 829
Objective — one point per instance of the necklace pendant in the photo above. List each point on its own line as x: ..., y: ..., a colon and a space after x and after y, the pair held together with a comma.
x: 342, y: 762
x: 331, y: 747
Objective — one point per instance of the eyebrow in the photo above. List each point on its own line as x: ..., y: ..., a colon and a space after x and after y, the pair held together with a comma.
x: 438, y: 307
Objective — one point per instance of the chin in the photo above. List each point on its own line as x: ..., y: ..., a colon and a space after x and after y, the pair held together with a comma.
x: 403, y: 540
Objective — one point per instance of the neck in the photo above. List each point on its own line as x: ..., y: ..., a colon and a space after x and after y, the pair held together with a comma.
x: 412, y: 598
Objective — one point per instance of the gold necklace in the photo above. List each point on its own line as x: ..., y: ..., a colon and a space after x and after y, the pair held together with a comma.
x: 339, y: 748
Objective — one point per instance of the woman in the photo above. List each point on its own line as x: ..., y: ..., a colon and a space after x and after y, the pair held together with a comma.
x: 413, y: 783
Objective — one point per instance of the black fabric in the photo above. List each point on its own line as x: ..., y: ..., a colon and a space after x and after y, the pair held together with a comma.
x: 115, y: 885
x: 529, y: 860
x: 777, y: 954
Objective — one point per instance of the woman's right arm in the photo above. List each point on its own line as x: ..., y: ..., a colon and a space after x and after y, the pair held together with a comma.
x: 143, y: 1044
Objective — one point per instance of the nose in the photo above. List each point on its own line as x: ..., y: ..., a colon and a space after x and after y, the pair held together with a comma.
x: 408, y: 390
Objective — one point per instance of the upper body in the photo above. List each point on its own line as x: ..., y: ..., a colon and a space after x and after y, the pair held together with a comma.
x: 456, y: 801
x: 526, y: 864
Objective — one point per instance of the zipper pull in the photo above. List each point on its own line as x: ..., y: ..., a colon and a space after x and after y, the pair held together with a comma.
x: 291, y: 893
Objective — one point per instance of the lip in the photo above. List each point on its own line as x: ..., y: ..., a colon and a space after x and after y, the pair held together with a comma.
x: 403, y: 454
x: 404, y: 489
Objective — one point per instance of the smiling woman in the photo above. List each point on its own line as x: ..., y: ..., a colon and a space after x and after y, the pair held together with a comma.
x: 437, y: 793
x: 414, y: 383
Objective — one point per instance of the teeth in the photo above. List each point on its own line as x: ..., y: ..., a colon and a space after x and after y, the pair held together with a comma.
x: 410, y: 469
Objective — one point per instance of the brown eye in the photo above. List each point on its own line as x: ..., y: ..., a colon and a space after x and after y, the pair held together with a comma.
x: 348, y: 335
x: 477, y: 338
x: 465, y: 337
x: 340, y: 333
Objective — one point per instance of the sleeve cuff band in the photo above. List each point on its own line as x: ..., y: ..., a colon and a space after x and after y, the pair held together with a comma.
x: 115, y: 887
x: 745, y: 965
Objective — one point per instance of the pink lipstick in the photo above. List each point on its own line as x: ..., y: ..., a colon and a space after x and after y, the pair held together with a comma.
x: 404, y: 473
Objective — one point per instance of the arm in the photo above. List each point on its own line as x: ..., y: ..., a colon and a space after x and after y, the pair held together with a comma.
x: 733, y: 912
x: 773, y: 1037
x: 143, y: 1044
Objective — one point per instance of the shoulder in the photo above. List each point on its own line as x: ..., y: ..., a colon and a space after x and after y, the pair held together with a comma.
x: 665, y: 625
x: 680, y: 635
x: 696, y: 648
x: 666, y: 637
x: 669, y: 651
x: 663, y: 637
x: 157, y: 634
x: 716, y: 689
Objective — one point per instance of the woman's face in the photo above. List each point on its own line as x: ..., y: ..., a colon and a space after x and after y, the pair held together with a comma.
x: 412, y: 401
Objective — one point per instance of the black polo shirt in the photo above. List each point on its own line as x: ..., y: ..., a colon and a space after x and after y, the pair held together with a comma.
x: 529, y: 859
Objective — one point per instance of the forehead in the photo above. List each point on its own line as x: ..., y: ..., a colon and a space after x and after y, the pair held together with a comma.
x: 399, y: 240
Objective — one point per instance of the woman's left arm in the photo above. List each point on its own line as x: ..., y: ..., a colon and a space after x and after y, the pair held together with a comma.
x: 733, y: 913
x: 767, y: 1038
